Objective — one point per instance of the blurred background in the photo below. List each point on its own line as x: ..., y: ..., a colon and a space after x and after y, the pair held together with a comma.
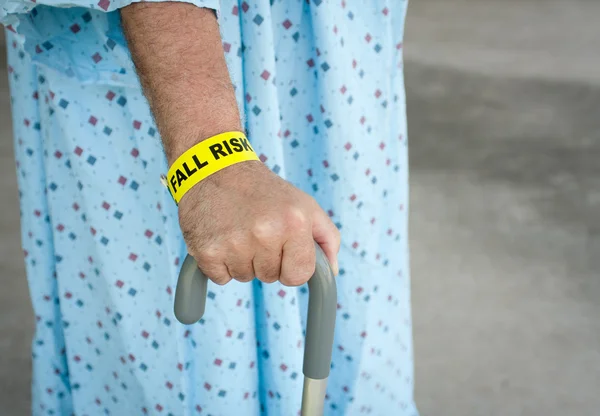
x: 504, y: 124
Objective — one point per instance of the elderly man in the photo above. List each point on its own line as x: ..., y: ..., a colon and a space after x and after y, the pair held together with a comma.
x: 107, y: 96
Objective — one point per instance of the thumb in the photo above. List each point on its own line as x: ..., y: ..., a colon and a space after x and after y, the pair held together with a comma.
x: 327, y: 236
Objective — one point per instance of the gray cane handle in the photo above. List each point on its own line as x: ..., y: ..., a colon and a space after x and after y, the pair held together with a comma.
x: 190, y: 294
x: 190, y: 300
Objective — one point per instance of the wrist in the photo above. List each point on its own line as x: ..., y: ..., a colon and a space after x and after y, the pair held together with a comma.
x: 208, y: 157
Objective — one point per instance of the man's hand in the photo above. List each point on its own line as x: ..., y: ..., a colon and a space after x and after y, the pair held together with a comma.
x: 243, y: 221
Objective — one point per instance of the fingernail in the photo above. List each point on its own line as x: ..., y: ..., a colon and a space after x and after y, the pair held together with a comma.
x: 335, y: 268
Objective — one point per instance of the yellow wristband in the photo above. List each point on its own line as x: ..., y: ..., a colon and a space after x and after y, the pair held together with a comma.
x: 205, y: 158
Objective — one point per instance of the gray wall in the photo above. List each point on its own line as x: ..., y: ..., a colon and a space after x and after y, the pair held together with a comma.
x: 504, y: 126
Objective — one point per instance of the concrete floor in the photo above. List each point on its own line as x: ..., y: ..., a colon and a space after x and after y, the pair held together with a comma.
x: 503, y: 99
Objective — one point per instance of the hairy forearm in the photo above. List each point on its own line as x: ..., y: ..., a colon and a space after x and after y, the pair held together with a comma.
x: 178, y: 54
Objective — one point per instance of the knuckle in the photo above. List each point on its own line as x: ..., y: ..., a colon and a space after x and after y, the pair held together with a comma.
x: 221, y: 279
x: 306, y: 268
x: 306, y: 272
x: 295, y: 280
x: 244, y: 278
x: 241, y: 270
x: 269, y: 276
x: 296, y: 219
x: 302, y: 272
x: 209, y: 255
x: 265, y: 229
x: 269, y: 279
x: 238, y: 245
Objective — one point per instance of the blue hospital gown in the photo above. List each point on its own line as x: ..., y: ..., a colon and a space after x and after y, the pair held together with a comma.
x: 320, y: 84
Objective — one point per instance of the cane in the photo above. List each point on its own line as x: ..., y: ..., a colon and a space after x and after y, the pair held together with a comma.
x: 190, y: 300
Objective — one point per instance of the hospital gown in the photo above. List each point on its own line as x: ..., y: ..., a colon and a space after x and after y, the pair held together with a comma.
x: 320, y: 85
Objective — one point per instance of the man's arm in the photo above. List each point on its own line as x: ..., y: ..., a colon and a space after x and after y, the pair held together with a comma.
x: 270, y: 226
x: 178, y: 54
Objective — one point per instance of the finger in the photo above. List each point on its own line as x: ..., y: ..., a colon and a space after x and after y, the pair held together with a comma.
x: 327, y: 236
x: 241, y: 268
x: 210, y: 262
x: 299, y: 261
x: 239, y: 252
x: 267, y: 264
x: 215, y: 272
